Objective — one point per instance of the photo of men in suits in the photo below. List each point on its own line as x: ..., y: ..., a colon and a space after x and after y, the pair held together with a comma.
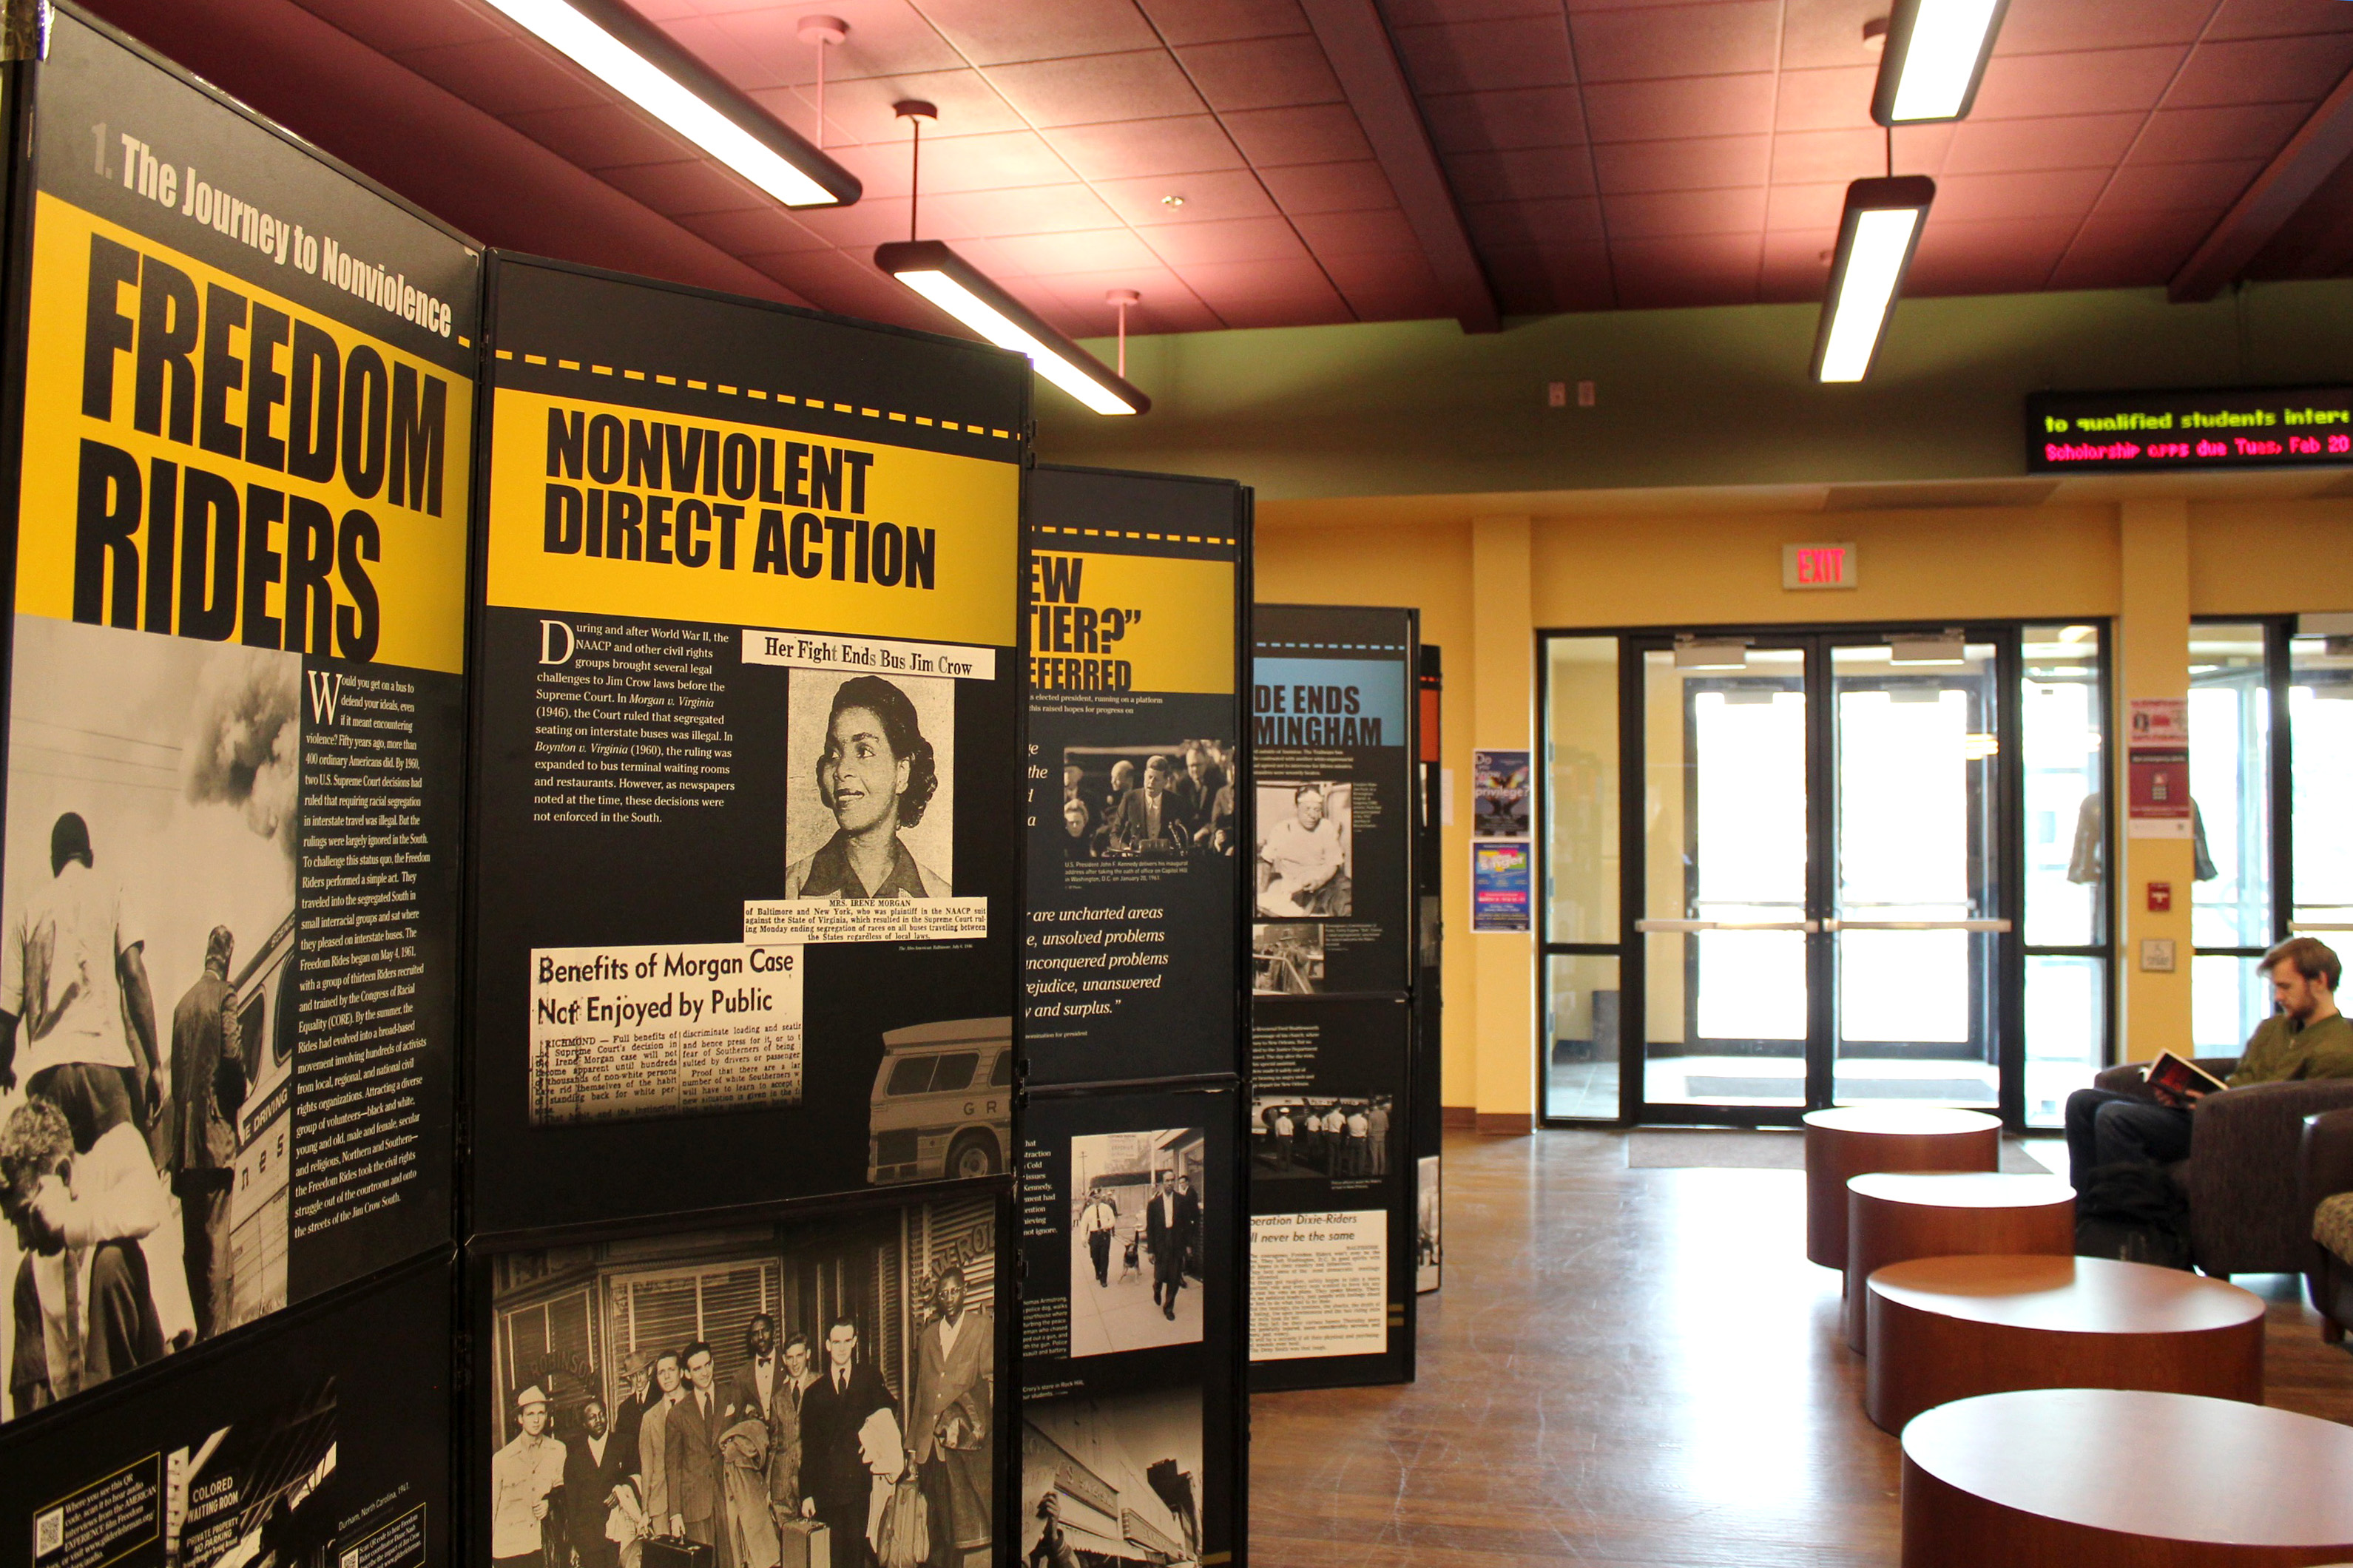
x: 951, y: 1429
x: 595, y: 1464
x: 836, y: 1481
x: 691, y: 1461
x: 1137, y: 1211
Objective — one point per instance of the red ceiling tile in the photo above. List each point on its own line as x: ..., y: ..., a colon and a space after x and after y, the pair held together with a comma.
x: 2055, y: 26
x: 709, y: 41
x: 860, y: 110
x: 1330, y: 188
x: 1167, y: 306
x: 1485, y: 56
x: 2053, y: 194
x: 859, y: 229
x: 1090, y: 250
x: 1183, y: 22
x: 1531, y: 281
x: 1492, y: 122
x: 1698, y: 164
x: 1812, y: 156
x: 393, y: 26
x: 697, y: 185
x: 1208, y: 197
x: 1695, y: 106
x: 1387, y: 288
x: 1035, y: 209
x: 2262, y: 71
x: 993, y: 32
x: 1830, y: 99
x: 1267, y: 294
x: 2127, y: 250
x: 1520, y: 174
x: 1713, y: 269
x: 1565, y: 221
x: 1184, y: 245
x: 1262, y: 73
x: 1793, y: 270
x: 2173, y: 187
x: 1425, y: 13
x: 2279, y: 18
x: 884, y: 40
x: 506, y: 76
x: 2089, y: 81
x: 2188, y: 135
x: 854, y: 287
x: 1661, y: 214
x: 1359, y: 234
x: 1820, y: 34
x: 2002, y: 256
x: 1133, y: 148
x: 2024, y: 146
x: 997, y: 161
x: 754, y: 231
x: 1145, y: 84
x: 1720, y: 39
x: 603, y: 136
x: 1318, y: 134
x: 1813, y: 209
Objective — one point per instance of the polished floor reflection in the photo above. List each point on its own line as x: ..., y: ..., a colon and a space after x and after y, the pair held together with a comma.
x: 1629, y: 1366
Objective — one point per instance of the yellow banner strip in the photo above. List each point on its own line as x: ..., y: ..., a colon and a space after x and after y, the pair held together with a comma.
x: 757, y: 395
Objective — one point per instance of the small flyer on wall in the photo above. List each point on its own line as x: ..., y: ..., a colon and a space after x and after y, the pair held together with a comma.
x: 1499, y: 795
x: 1501, y: 883
x: 2157, y: 768
x: 1332, y: 762
x: 227, y: 933
x: 1134, y: 755
x: 817, y: 1389
x: 325, y: 1439
x: 746, y: 728
x: 1133, y: 1435
x: 1332, y: 1191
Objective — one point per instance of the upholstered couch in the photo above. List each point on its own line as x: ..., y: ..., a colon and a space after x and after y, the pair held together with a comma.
x: 2328, y: 1199
x: 2241, y: 1176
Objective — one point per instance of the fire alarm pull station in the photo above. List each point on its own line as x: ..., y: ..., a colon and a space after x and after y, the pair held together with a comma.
x: 2160, y: 898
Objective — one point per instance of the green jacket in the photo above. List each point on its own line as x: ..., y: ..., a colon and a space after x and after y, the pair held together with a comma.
x: 2281, y: 1049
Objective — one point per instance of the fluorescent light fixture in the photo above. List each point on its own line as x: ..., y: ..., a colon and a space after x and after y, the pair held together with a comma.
x: 1935, y: 56
x: 642, y: 64
x: 1877, y: 236
x: 964, y: 291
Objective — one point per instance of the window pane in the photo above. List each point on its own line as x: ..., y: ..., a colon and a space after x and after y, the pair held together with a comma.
x: 2060, y: 735
x: 2320, y: 722
x: 1581, y: 799
x: 2065, y: 1001
x: 1581, y: 1028
x: 2230, y: 781
x: 2227, y: 1000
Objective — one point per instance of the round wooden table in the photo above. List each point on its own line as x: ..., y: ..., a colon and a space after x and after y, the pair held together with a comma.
x: 1893, y: 1215
x: 1852, y: 1139
x: 1951, y: 1328
x: 2084, y: 1478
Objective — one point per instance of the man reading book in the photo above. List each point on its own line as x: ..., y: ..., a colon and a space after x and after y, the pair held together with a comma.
x: 2308, y: 1037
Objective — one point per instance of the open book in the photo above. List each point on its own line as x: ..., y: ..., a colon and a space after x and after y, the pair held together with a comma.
x: 2182, y: 1076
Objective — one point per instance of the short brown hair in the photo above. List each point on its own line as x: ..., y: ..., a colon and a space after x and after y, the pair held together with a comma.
x: 2313, y: 958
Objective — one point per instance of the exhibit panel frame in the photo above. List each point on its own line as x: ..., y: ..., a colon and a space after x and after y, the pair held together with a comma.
x: 239, y: 447
x: 747, y: 723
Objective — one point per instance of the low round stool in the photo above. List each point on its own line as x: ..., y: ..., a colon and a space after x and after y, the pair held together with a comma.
x: 1952, y: 1328
x: 2089, y: 1477
x: 1855, y: 1139
x: 1895, y: 1215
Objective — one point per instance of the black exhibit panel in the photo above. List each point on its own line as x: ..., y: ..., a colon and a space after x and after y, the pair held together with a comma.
x: 1332, y: 765
x: 322, y: 1438
x: 1134, y: 818
x: 783, y: 1385
x: 239, y: 421
x: 1332, y: 1192
x: 747, y: 722
x: 1133, y: 1429
x: 1429, y: 1119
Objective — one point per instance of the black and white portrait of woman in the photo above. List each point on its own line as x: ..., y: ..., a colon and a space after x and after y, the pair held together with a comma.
x: 878, y: 825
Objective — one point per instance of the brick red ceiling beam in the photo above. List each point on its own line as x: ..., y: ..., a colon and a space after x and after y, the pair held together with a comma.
x: 1366, y: 61
x: 2311, y: 155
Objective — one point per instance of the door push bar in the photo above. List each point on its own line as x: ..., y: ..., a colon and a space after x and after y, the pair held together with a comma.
x: 1916, y: 925
x: 1808, y: 926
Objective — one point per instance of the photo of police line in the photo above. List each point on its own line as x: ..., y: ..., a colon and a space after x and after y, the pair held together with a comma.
x: 1129, y: 803
x: 818, y: 1395
x: 146, y: 1031
x: 1319, y: 1135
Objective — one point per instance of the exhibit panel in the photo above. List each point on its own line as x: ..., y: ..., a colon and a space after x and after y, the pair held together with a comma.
x: 239, y: 423
x: 813, y: 1385
x: 1135, y: 587
x: 322, y: 1438
x: 747, y: 746
x: 1134, y: 1425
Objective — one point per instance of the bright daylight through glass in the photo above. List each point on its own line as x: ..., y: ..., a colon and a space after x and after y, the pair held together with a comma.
x: 1947, y: 36
x: 1006, y: 334
x: 1874, y: 268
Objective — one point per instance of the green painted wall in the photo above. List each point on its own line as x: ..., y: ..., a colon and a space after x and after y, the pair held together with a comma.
x: 1700, y: 397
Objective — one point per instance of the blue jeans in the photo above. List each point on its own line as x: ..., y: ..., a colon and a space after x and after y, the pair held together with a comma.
x: 2105, y: 1127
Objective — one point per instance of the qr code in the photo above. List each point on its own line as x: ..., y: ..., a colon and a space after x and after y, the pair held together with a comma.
x: 350, y: 1558
x: 49, y: 1533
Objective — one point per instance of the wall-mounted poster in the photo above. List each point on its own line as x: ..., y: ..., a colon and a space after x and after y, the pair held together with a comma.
x: 1332, y: 1192
x: 1333, y: 773
x: 1501, y: 883
x: 745, y: 895
x: 1135, y: 820
x: 806, y: 1389
x: 323, y: 1439
x: 1499, y: 795
x: 1133, y: 1434
x: 235, y: 716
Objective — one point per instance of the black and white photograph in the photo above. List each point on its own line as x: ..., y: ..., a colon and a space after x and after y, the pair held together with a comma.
x: 1144, y: 802
x: 1287, y: 958
x: 1342, y: 1139
x: 869, y: 800
x: 146, y: 1023
x: 257, y: 1492
x: 1306, y: 859
x: 1135, y: 1239
x: 799, y: 1391
x: 1428, y: 1246
x: 1113, y: 1480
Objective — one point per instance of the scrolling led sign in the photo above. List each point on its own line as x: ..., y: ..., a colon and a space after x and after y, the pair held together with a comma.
x: 2072, y: 432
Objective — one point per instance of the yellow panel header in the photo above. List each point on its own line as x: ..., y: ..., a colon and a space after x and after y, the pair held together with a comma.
x: 1102, y: 622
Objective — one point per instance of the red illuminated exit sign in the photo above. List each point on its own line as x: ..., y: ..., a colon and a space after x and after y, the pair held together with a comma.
x: 1818, y: 565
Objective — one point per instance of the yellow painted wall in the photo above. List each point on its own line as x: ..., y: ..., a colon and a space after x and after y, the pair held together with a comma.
x: 1698, y: 566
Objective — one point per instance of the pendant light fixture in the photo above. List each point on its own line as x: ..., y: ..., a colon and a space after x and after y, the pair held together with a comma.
x: 949, y: 281
x: 641, y: 63
x: 1877, y: 233
x: 1934, y: 58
